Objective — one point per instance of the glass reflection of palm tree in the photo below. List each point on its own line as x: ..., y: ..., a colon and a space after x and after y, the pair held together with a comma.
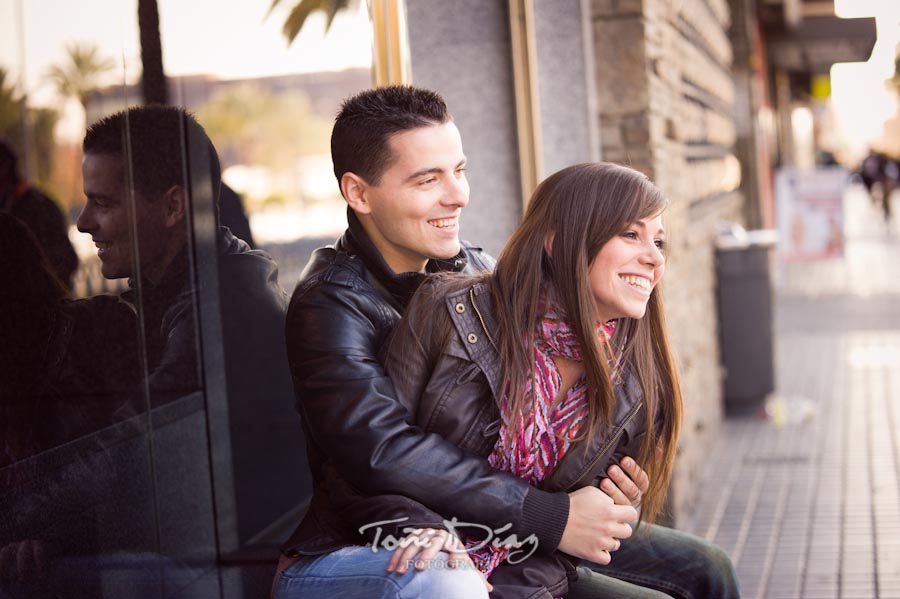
x: 28, y: 129
x: 154, y: 88
x: 81, y: 73
x: 77, y: 77
x: 10, y: 104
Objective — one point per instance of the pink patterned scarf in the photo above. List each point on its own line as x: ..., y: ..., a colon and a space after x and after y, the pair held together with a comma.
x: 543, y: 435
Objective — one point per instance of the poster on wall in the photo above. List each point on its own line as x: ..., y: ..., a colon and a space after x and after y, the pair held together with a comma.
x: 810, y: 214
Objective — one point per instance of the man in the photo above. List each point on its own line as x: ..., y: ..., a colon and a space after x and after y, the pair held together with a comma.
x: 39, y: 213
x: 134, y: 168
x: 400, y: 166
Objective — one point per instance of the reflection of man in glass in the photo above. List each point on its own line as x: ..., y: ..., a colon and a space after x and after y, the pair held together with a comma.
x: 142, y: 169
x: 106, y: 216
x: 149, y: 173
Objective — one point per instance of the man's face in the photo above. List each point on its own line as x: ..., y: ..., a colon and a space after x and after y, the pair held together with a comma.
x: 413, y: 212
x: 106, y: 216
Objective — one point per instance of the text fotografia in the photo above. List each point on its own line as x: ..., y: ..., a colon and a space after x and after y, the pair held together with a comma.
x: 439, y: 564
x: 518, y: 550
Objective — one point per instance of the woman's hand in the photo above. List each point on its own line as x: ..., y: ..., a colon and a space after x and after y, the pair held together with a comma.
x: 422, y: 545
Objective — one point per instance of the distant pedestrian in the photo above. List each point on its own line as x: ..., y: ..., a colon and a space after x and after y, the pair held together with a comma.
x: 880, y: 174
x: 889, y: 183
x: 870, y: 172
x: 233, y: 215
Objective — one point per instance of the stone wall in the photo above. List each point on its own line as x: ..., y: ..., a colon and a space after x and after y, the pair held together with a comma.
x: 665, y: 99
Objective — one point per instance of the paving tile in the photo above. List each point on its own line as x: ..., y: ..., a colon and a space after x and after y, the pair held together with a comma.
x: 812, y: 509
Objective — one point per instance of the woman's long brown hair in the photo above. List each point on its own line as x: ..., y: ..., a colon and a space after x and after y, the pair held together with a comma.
x: 574, y: 213
x: 571, y: 215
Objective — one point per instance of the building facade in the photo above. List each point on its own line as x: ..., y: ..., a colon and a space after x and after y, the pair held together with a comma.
x: 646, y: 83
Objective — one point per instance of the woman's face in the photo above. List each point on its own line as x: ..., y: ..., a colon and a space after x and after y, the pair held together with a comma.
x: 627, y: 268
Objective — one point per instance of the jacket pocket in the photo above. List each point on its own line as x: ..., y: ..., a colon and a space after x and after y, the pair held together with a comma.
x: 482, y: 434
x: 468, y: 374
x: 492, y: 428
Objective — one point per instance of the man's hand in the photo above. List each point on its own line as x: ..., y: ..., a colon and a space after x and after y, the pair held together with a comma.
x: 423, y: 544
x: 595, y: 525
x: 627, y: 482
x: 24, y: 561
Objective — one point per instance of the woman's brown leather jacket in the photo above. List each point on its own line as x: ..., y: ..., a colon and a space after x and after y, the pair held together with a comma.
x: 446, y: 370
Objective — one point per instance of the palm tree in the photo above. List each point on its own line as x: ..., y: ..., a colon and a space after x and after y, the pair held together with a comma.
x: 304, y: 8
x: 29, y: 130
x: 81, y: 74
x: 252, y: 125
x: 11, y: 105
x: 153, y: 78
x: 13, y: 120
x: 895, y: 80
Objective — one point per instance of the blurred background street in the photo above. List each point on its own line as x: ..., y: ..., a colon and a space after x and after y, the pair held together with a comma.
x: 805, y: 493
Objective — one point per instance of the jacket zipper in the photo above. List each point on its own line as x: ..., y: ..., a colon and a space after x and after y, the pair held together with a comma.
x: 608, y: 444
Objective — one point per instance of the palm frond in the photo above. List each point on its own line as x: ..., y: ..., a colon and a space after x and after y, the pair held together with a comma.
x: 298, y: 16
x: 80, y: 74
x: 304, y: 8
x: 271, y: 8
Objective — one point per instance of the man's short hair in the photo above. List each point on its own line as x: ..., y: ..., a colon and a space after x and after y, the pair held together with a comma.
x: 366, y: 121
x: 157, y: 140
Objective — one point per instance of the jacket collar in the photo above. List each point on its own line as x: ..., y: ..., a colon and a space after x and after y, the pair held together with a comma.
x: 175, y: 275
x: 400, y: 286
x: 173, y: 281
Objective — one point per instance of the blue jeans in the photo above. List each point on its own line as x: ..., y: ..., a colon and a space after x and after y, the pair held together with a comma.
x: 659, y: 562
x: 359, y: 572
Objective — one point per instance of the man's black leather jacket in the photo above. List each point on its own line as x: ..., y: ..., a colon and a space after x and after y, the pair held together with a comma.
x: 252, y: 306
x: 360, y: 438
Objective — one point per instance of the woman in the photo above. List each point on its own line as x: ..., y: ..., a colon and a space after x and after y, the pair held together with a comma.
x: 556, y: 365
x: 63, y: 366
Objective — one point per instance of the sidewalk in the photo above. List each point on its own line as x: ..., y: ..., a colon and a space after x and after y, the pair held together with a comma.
x: 807, y: 501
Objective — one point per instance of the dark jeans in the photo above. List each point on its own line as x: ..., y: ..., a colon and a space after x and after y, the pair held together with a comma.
x: 657, y: 563
x: 133, y: 575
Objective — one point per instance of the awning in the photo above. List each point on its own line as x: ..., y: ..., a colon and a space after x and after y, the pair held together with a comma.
x: 819, y: 42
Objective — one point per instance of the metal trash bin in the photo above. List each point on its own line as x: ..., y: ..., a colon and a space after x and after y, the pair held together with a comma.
x: 744, y: 297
